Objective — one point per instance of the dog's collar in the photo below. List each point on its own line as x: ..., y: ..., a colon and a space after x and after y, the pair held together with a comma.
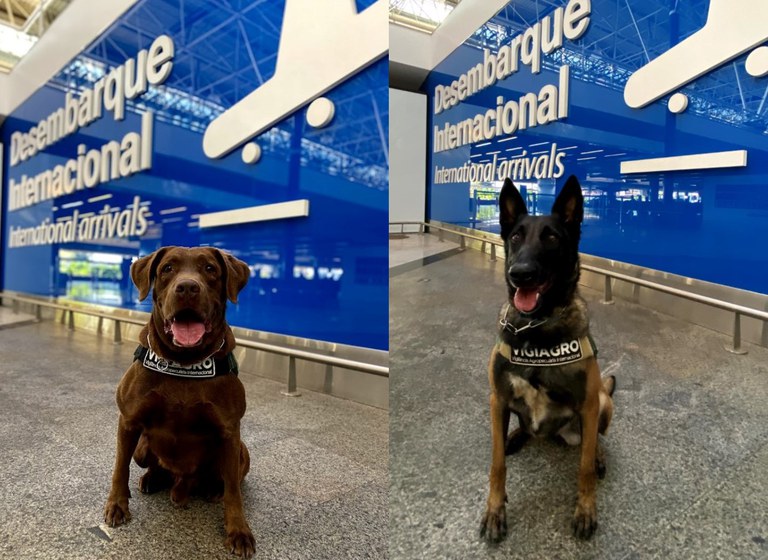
x: 566, y: 352
x: 532, y: 324
x: 204, y: 369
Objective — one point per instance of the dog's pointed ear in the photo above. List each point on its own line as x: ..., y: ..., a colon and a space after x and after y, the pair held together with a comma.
x: 143, y: 271
x: 569, y: 204
x: 511, y: 207
x: 236, y: 274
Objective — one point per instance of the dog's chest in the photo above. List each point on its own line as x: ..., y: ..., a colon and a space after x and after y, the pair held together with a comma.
x: 182, y: 435
x: 545, y: 399
x: 180, y: 414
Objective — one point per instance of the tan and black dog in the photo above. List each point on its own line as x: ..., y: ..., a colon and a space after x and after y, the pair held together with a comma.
x: 544, y: 365
x: 181, y: 401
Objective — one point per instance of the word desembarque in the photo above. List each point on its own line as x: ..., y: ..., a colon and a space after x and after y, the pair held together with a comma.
x: 129, y: 80
x: 544, y: 37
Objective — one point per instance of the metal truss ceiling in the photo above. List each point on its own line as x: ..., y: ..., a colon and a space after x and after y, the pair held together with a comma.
x: 225, y: 50
x: 624, y: 36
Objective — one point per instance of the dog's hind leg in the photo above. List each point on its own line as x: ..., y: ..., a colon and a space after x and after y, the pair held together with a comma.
x: 609, y: 385
x: 516, y: 439
x: 606, y: 404
x: 245, y: 461
x: 181, y: 490
x: 606, y: 414
x: 156, y: 478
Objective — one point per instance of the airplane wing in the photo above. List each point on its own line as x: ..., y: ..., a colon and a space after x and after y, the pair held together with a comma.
x: 732, y: 29
x: 312, y: 59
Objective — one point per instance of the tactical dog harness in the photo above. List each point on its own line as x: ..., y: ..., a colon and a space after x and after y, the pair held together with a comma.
x: 209, y: 367
x: 566, y: 352
x: 563, y: 353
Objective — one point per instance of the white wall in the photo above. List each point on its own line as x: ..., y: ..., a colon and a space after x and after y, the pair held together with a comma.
x: 407, y: 156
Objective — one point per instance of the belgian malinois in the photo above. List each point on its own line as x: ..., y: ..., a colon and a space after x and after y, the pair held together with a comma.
x: 543, y: 367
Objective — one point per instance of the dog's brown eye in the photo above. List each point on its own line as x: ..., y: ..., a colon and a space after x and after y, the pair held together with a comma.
x: 210, y: 268
x: 167, y: 268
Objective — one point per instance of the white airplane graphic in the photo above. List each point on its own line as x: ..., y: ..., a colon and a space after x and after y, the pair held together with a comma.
x: 322, y: 43
x: 732, y: 28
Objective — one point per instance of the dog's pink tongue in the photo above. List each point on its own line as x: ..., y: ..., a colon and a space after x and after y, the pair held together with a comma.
x: 187, y: 333
x: 526, y: 299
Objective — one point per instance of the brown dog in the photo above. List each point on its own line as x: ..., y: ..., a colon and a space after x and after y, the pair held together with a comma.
x: 180, y: 401
x: 544, y: 366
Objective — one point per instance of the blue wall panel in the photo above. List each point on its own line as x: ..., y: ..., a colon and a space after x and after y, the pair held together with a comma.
x: 705, y: 224
x: 323, y: 276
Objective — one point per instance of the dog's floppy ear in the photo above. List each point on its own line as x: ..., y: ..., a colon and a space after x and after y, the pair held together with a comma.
x: 143, y: 271
x: 511, y: 206
x: 569, y: 205
x: 236, y: 274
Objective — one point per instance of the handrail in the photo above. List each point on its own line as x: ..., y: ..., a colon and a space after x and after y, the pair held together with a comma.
x: 345, y: 363
x: 292, y: 353
x: 737, y: 309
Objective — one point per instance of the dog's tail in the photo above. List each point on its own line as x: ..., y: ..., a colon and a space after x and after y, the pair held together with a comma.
x: 609, y: 384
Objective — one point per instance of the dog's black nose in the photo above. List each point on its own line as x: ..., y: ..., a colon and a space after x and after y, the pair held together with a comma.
x: 187, y: 287
x: 522, y: 273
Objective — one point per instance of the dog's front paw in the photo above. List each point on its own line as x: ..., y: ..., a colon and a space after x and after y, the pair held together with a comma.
x: 241, y: 543
x: 585, y: 521
x: 494, y: 524
x: 116, y: 512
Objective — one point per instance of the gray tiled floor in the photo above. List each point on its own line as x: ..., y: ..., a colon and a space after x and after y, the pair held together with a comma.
x: 408, y: 247
x: 687, y: 451
x: 318, y: 485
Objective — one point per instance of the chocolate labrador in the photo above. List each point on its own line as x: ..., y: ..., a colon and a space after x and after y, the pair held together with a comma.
x: 181, y: 401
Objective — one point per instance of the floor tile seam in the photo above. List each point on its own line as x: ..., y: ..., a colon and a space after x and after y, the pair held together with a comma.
x: 415, y: 258
x: 17, y: 324
x: 423, y: 262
